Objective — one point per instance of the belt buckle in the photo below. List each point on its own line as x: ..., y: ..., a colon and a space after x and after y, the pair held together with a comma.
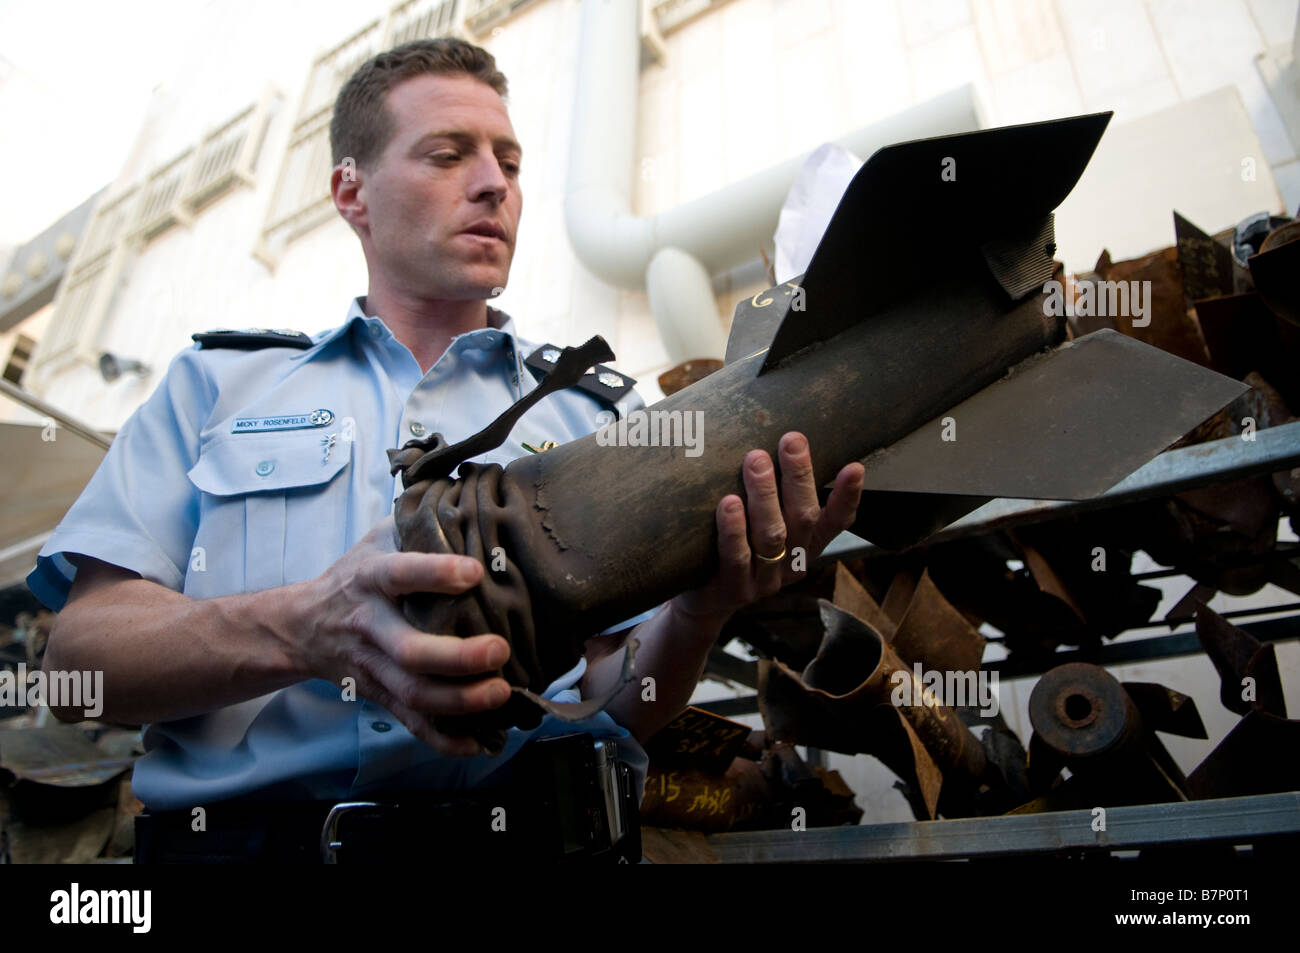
x: 329, y: 832
x: 607, y: 780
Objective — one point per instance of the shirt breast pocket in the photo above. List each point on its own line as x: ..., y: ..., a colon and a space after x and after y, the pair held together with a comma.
x: 277, y: 499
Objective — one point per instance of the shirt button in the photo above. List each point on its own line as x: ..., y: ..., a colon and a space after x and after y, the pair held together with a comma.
x: 381, y: 726
x: 265, y: 468
x: 376, y: 331
x: 417, y: 428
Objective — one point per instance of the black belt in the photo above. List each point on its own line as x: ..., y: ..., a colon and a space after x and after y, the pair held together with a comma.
x: 568, y: 800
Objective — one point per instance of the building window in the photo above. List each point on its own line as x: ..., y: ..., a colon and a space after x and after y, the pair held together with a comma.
x: 18, y: 359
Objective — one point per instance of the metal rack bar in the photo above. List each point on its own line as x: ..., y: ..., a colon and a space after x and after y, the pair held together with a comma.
x: 1217, y: 461
x: 1229, y: 820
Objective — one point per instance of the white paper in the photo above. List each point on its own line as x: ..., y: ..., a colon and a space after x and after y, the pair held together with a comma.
x: 808, y: 207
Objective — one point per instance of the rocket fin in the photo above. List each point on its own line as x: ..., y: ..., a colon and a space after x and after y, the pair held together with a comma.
x: 978, y: 201
x: 756, y: 319
x: 1050, y: 430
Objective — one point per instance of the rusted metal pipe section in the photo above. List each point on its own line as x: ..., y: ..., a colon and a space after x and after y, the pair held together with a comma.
x: 832, y: 705
x: 860, y: 695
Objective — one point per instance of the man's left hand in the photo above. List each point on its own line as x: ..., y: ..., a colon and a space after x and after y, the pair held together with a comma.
x: 757, y: 549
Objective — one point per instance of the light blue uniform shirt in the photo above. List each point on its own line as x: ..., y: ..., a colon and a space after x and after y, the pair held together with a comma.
x: 189, y: 500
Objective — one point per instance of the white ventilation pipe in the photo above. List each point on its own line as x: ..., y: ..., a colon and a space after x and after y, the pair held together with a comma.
x: 681, y: 299
x: 673, y: 254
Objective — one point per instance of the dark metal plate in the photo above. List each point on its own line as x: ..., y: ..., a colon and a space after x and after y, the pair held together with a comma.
x: 1067, y: 425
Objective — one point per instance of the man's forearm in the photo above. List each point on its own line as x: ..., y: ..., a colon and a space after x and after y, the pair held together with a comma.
x: 166, y: 656
x: 674, y: 647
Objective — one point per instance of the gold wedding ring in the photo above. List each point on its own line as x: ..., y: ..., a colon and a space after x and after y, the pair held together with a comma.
x: 770, y: 560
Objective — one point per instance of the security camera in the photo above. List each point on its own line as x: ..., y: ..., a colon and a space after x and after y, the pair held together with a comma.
x: 111, y: 367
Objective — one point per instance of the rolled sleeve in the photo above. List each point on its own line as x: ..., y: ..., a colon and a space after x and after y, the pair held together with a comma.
x: 140, y: 511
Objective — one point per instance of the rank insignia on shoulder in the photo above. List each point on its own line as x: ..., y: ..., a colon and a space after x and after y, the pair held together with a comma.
x: 600, y: 381
x: 252, y: 339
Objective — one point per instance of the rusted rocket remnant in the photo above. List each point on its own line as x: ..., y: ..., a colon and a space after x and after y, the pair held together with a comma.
x: 1103, y: 730
x: 893, y: 343
x: 863, y: 694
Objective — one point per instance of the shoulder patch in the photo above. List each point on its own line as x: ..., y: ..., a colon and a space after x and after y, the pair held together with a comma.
x: 252, y: 339
x: 600, y: 381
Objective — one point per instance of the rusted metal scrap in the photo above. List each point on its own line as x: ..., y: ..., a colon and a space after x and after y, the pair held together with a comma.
x: 1261, y: 755
x: 920, y: 624
x: 687, y: 373
x: 932, y: 341
x: 1263, y: 407
x: 1241, y: 284
x: 63, y: 797
x: 1082, y: 602
x: 699, y: 740
x: 1273, y: 269
x: 826, y: 800
x: 1222, y: 536
x: 930, y: 630
x: 58, y: 755
x: 708, y: 773
x: 691, y: 799
x: 1170, y: 326
x: 786, y: 625
x: 664, y: 845
x: 1204, y: 262
x: 1065, y: 592
x: 844, y: 700
x: 1104, y: 732
x: 923, y: 627
x: 749, y: 795
x: 698, y: 778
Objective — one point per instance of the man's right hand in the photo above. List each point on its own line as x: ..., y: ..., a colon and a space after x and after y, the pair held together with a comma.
x: 353, y: 628
x: 165, y: 656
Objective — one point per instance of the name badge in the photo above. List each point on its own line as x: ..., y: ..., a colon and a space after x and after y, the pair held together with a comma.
x: 317, y: 418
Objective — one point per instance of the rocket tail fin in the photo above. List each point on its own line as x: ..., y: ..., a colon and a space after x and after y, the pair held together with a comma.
x: 981, y: 199
x: 1064, y: 425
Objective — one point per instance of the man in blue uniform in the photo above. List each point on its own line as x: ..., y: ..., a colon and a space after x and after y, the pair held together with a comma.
x: 231, y: 567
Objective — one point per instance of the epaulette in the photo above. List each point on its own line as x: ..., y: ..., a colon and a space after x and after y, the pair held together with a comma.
x: 604, y: 383
x: 252, y: 339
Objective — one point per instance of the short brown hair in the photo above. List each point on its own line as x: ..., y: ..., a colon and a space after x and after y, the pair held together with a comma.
x: 362, y: 125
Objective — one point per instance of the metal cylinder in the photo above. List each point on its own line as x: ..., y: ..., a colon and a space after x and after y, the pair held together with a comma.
x: 618, y: 529
x: 1081, y: 711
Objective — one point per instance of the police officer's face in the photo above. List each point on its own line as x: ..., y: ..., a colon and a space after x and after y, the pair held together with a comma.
x: 449, y: 174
